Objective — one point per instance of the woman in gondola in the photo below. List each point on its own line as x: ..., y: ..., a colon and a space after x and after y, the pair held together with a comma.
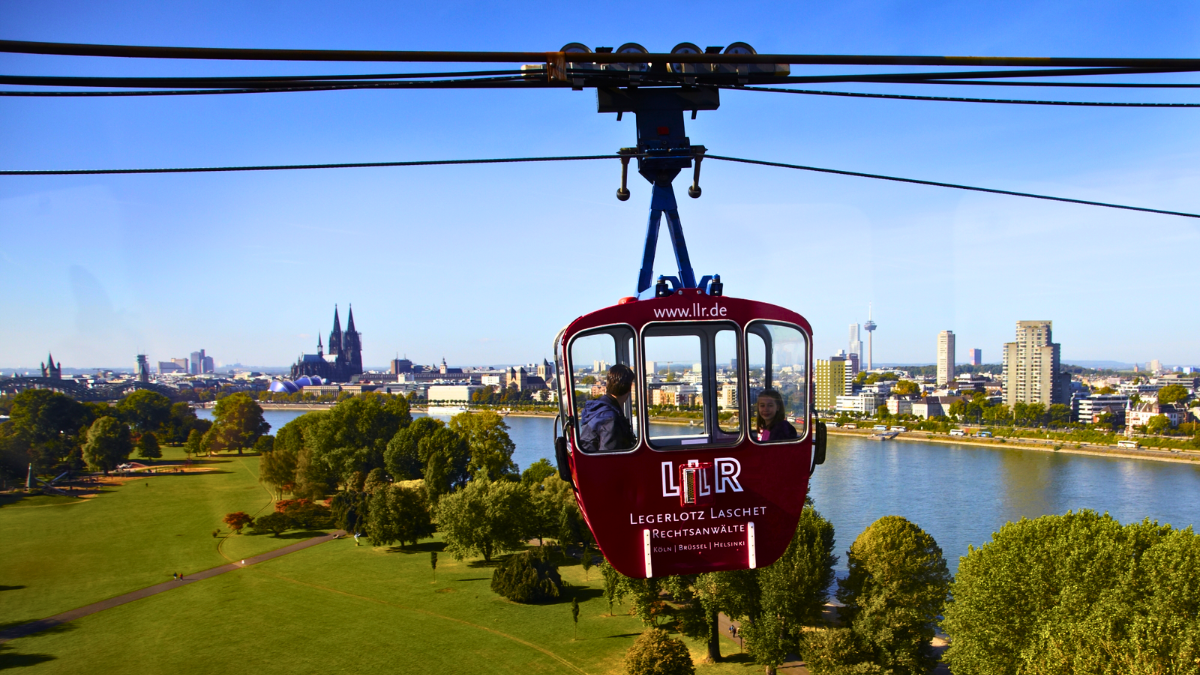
x: 771, y: 421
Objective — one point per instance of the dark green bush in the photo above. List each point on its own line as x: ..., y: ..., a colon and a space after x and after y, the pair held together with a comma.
x: 528, y: 577
x: 656, y: 653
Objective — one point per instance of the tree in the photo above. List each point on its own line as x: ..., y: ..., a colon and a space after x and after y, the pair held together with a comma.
x: 1173, y: 393
x: 46, y: 426
x: 108, y: 444
x: 906, y: 388
x: 446, y: 458
x: 350, y: 511
x: 276, y: 523
x: 895, y: 590
x: 353, y: 436
x: 264, y: 444
x: 220, y: 438
x: 277, y: 468
x: 402, y: 457
x: 433, y: 564
x: 548, y: 499
x: 376, y: 480
x: 1077, y: 593
x: 240, y: 419
x: 148, y: 446
x: 528, y: 577
x: 182, y: 422
x: 398, y: 514
x: 538, y: 472
x: 572, y: 529
x: 237, y: 520
x: 1105, y: 391
x: 575, y: 616
x: 1158, y: 424
x: 487, y: 437
x: 585, y: 561
x: 192, y: 445
x: 613, y: 591
x: 1059, y: 415
x: 485, y: 517
x: 656, y: 653
x: 145, y: 410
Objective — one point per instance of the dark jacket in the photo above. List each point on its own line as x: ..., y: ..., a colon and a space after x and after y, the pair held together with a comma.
x: 603, y: 427
x: 782, y: 431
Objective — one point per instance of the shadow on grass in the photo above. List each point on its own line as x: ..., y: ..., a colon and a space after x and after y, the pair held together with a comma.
x: 582, y: 593
x: 300, y: 534
x: 10, y: 588
x: 474, y: 579
x: 742, y: 658
x: 622, y: 635
x: 14, y: 660
x: 425, y: 547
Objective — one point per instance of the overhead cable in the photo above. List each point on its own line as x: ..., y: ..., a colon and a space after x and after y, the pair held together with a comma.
x: 908, y: 97
x: 295, y: 167
x: 571, y: 158
x: 212, y: 53
x: 954, y: 186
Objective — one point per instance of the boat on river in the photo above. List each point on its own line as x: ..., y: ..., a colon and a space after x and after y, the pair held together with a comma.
x: 884, y: 435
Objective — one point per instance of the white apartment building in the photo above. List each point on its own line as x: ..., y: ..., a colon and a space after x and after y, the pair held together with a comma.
x: 863, y: 402
x: 945, y: 357
x: 1031, y: 367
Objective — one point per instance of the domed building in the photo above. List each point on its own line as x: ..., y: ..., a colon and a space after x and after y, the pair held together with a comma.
x: 343, y: 361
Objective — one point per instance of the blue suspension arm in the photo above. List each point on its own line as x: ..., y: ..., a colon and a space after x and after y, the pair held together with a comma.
x: 662, y: 201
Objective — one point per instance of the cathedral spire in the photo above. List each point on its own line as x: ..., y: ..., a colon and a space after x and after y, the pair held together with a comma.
x: 350, y: 322
x: 320, y: 348
x: 335, y: 336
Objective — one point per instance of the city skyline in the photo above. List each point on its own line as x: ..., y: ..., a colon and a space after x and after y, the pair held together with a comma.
x: 244, y: 263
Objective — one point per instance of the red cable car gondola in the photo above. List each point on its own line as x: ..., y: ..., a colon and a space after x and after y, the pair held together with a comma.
x: 715, y: 494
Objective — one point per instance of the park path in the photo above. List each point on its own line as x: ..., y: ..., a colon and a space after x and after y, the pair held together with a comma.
x: 50, y: 622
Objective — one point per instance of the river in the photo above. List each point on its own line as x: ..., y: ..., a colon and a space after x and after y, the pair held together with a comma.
x: 960, y: 494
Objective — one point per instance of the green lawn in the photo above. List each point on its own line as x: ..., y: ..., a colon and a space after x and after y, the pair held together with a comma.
x: 328, y: 609
x: 59, y: 553
x: 339, y: 608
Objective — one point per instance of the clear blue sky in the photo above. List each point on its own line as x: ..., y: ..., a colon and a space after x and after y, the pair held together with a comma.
x: 484, y: 264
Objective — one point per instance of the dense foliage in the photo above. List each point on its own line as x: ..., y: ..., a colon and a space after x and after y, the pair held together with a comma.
x: 528, y: 577
x: 398, y: 514
x: 108, y: 444
x: 484, y: 518
x: 894, y: 592
x: 656, y: 653
x: 1077, y: 594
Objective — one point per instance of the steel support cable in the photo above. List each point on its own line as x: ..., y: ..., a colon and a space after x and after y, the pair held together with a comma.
x: 954, y: 99
x: 617, y: 78
x: 293, y: 167
x: 569, y: 158
x: 234, y: 81
x: 481, y: 83
x: 956, y: 186
x: 217, y: 53
x: 1098, y: 85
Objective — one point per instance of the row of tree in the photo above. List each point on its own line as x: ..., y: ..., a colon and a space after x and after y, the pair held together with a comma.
x: 51, y: 430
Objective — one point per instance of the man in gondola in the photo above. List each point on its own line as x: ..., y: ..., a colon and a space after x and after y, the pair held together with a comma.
x: 603, y: 426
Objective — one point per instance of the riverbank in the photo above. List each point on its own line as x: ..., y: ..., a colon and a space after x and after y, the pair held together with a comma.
x: 1048, y: 446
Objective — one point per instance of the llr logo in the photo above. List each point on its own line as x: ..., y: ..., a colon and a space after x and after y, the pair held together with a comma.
x: 727, y: 470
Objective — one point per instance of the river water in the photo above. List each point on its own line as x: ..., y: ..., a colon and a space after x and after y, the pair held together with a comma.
x: 960, y: 494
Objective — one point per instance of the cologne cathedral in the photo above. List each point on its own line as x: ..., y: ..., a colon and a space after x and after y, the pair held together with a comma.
x: 344, y: 359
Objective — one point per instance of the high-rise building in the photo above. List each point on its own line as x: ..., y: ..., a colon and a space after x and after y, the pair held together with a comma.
x: 401, y: 366
x: 196, y: 365
x: 1155, y: 366
x: 831, y: 382
x: 977, y: 357
x: 1031, y: 367
x: 856, y: 346
x: 945, y: 357
x: 143, y: 369
x: 600, y: 366
x: 208, y: 366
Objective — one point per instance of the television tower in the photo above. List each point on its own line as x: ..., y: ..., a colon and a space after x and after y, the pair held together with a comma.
x: 869, y: 326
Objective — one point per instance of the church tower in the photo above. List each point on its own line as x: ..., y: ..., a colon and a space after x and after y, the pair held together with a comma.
x: 335, y: 336
x: 51, y: 371
x: 352, y: 346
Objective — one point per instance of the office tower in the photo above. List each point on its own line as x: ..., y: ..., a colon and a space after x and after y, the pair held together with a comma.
x: 207, y: 367
x: 945, y: 357
x: 831, y: 382
x: 976, y: 357
x: 856, y: 346
x: 143, y: 369
x: 1031, y: 367
x: 197, y: 363
x: 869, y: 326
x: 600, y: 367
